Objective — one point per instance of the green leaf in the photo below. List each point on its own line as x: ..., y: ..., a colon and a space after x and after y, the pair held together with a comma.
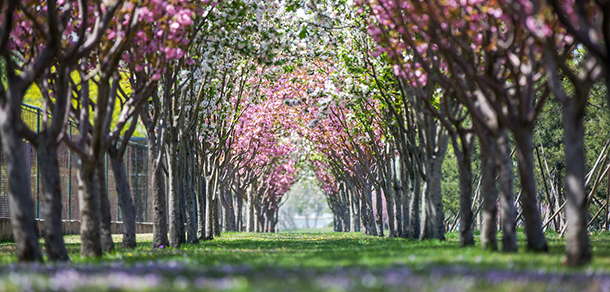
x: 303, y: 33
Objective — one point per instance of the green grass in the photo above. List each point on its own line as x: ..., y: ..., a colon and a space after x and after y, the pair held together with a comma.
x: 345, y: 261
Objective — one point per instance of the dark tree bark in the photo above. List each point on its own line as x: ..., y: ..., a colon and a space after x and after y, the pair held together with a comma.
x: 533, y: 223
x: 174, y: 192
x: 414, y: 218
x: 490, y: 196
x: 250, y: 206
x: 508, y: 214
x: 201, y: 202
x: 105, y: 218
x: 51, y: 187
x: 355, y: 210
x: 157, y: 182
x: 465, y: 173
x: 22, y: 208
x: 88, y: 201
x: 433, y: 201
x: 379, y: 211
x: 216, y: 215
x: 189, y: 191
x: 128, y: 210
x: 210, y: 207
x: 578, y: 249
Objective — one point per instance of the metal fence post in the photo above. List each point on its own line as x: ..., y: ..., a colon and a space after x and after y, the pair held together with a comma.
x: 70, y: 178
x: 146, y: 184
x: 38, y: 113
x: 137, y: 148
x: 127, y: 166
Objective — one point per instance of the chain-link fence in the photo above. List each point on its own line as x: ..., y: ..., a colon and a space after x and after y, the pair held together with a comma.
x: 135, y: 160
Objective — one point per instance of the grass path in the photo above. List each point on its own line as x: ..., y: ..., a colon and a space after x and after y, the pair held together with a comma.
x: 312, y: 261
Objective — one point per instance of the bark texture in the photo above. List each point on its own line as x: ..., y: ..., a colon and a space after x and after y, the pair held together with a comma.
x: 105, y: 218
x: 51, y: 188
x: 128, y: 210
x: 22, y: 208
x: 578, y: 249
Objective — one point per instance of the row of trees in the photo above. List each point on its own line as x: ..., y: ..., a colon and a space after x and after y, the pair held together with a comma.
x: 189, y: 72
x: 464, y: 72
x: 235, y: 96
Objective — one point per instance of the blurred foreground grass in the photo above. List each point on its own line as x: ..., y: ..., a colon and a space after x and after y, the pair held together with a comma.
x: 313, y: 261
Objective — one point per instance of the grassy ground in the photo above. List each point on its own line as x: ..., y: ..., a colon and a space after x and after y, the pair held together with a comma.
x: 311, y: 261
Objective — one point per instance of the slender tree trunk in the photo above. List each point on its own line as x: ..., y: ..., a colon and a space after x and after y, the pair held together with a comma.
x: 23, y: 219
x: 217, y: 212
x: 174, y: 193
x: 239, y: 211
x: 379, y: 211
x: 508, y: 214
x: 355, y: 212
x: 51, y: 187
x: 398, y: 217
x: 201, y: 202
x: 414, y: 218
x: 190, y: 195
x: 389, y: 193
x: 465, y: 172
x: 368, y: 210
x: 578, y: 250
x: 105, y: 217
x: 128, y: 210
x: 182, y: 208
x: 251, y: 224
x: 226, y: 200
x: 490, y: 196
x: 157, y: 182
x: 89, y: 204
x: 389, y: 199
x: 529, y: 202
x: 347, y: 203
x: 209, y: 208
x: 434, y: 219
x: 406, y: 231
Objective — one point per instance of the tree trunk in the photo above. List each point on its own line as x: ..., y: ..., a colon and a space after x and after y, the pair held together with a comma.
x: 346, y: 215
x: 379, y: 211
x: 355, y: 211
x: 398, y: 217
x: 367, y: 211
x: 201, y: 202
x: 105, y: 218
x: 529, y: 202
x: 239, y: 211
x: 406, y: 231
x: 433, y: 201
x: 490, y: 197
x: 190, y: 195
x: 157, y: 182
x: 414, y: 218
x: 128, y: 210
x: 89, y: 204
x: 465, y: 172
x: 578, y: 251
x: 389, y: 199
x: 251, y: 224
x: 229, y: 210
x: 174, y: 194
x: 209, y: 209
x: 216, y: 217
x: 508, y: 214
x: 23, y: 219
x: 51, y: 187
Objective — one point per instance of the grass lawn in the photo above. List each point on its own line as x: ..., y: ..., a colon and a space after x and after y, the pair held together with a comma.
x: 311, y: 261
